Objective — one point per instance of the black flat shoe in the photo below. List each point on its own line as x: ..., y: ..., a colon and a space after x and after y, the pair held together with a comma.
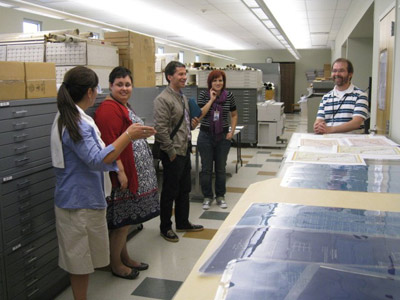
x: 143, y: 266
x: 131, y: 276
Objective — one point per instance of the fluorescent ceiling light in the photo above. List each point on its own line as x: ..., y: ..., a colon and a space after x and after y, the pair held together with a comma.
x: 108, y: 29
x: 269, y: 24
x: 2, y: 4
x: 31, y: 11
x: 251, y: 3
x: 172, y: 23
x: 82, y: 23
x: 259, y: 13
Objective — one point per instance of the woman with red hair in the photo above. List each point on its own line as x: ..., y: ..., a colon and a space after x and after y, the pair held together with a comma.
x: 215, y: 137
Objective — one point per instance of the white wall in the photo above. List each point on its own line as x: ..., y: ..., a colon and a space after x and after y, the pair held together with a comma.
x: 359, y: 52
x: 11, y: 22
x: 353, y: 16
x: 188, y: 56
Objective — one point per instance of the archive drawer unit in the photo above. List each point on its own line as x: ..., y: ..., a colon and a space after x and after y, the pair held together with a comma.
x: 246, y: 104
x: 29, y: 242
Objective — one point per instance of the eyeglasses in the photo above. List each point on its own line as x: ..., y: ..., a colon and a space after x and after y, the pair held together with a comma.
x: 339, y: 70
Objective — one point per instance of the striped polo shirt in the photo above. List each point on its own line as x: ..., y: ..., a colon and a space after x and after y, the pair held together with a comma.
x: 228, y: 106
x: 339, y: 107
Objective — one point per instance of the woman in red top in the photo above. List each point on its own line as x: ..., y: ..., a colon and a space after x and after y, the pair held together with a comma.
x: 134, y: 198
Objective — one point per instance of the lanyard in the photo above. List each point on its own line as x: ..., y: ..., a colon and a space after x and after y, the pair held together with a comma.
x: 340, y: 105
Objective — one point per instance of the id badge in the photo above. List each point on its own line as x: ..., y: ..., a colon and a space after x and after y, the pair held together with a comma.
x: 216, y: 115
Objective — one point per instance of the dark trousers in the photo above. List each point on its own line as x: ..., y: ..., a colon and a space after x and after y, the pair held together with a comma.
x: 213, y: 153
x: 176, y: 187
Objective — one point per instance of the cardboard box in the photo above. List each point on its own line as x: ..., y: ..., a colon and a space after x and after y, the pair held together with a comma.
x: 327, y: 70
x: 137, y: 53
x: 12, y: 80
x: 40, y: 80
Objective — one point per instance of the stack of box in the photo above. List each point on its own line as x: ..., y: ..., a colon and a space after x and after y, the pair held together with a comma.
x: 98, y: 57
x: 29, y: 80
x: 136, y: 52
x: 327, y: 71
x: 251, y: 79
x: 161, y: 61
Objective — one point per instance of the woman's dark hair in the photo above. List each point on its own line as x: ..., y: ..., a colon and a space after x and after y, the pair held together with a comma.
x: 215, y: 74
x: 119, y: 72
x: 77, y: 82
x: 170, y: 69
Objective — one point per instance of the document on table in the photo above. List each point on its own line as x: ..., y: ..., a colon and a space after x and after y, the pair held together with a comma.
x: 267, y: 279
x: 325, y: 158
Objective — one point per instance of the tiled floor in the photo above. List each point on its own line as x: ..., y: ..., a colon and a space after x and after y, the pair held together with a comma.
x: 170, y: 263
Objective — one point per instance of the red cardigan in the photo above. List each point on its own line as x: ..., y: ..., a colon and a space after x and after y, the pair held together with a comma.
x: 112, y: 119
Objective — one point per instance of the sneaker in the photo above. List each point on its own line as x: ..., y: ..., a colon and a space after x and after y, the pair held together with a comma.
x: 221, y: 202
x: 170, y: 236
x: 190, y: 228
x: 207, y: 203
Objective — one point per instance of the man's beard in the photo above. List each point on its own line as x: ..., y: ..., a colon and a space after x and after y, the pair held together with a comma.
x: 342, y: 80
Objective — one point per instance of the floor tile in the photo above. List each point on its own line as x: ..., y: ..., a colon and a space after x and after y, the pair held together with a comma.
x: 157, y: 288
x: 253, y: 165
x: 214, y: 215
x: 206, y: 234
x: 263, y: 152
x: 235, y: 190
x: 266, y: 173
x: 273, y: 160
x: 276, y: 155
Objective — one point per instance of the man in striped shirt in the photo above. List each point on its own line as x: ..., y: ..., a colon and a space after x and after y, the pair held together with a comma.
x: 345, y: 108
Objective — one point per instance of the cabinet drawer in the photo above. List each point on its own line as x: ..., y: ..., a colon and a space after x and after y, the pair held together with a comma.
x: 32, y: 264
x: 28, y: 215
x: 31, y: 178
x: 19, y: 161
x: 19, y: 136
x: 26, y: 284
x: 35, y: 225
x: 26, y: 122
x: 25, y: 253
x: 26, y: 204
x: 27, y: 108
x: 25, y: 146
x: 45, y: 288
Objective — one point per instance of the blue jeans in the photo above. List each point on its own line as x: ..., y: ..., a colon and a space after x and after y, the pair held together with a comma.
x: 212, y: 151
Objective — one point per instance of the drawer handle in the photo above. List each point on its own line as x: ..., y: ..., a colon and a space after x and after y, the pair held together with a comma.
x: 21, y: 125
x: 23, y: 184
x: 35, y: 279
x: 24, y: 195
x: 19, y: 113
x: 25, y: 217
x: 22, y: 161
x: 27, y: 251
x: 24, y: 206
x: 19, y: 138
x: 26, y: 229
x: 22, y: 149
x: 33, y: 292
x: 31, y: 260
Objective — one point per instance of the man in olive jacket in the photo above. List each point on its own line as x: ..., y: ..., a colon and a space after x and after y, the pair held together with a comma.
x: 171, y: 108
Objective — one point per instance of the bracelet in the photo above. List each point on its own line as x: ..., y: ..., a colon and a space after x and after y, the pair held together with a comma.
x: 128, y: 135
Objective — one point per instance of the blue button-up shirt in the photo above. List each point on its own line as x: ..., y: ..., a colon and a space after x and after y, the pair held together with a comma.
x: 81, y: 184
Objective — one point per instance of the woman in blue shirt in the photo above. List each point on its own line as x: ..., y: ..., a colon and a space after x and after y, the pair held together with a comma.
x: 80, y: 158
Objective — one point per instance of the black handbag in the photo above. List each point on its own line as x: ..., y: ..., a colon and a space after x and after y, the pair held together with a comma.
x: 156, y: 149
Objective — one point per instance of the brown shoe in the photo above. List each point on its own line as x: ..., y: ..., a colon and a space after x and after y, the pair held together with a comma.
x: 170, y: 236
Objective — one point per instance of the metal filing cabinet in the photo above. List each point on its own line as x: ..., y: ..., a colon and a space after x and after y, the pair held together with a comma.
x: 29, y: 251
x: 246, y: 104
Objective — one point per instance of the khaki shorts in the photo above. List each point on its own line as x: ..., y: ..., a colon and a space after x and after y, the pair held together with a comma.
x: 82, y: 239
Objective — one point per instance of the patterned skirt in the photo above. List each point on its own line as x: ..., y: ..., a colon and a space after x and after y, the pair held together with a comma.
x: 125, y: 208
